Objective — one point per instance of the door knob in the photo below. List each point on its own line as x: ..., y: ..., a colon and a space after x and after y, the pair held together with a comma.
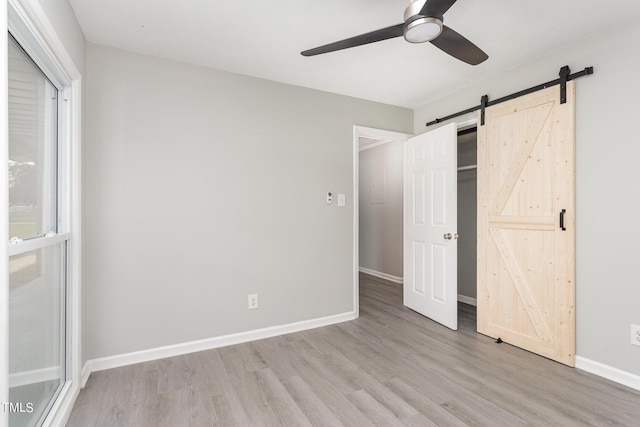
x: 455, y: 236
x: 447, y: 236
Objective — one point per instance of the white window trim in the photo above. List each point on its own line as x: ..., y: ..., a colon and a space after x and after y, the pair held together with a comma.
x: 37, y: 243
x: 31, y: 27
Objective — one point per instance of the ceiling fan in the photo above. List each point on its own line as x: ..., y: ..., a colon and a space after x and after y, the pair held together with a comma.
x: 422, y: 23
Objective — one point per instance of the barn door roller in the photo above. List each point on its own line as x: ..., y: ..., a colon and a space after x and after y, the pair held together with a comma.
x: 565, y: 76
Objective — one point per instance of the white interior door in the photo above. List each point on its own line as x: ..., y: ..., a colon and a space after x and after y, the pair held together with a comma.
x: 430, y: 224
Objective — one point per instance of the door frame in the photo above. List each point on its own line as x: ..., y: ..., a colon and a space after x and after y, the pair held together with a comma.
x: 385, y: 137
x: 467, y: 124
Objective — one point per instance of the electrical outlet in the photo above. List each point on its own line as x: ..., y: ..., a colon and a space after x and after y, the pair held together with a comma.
x: 635, y: 335
x: 253, y: 301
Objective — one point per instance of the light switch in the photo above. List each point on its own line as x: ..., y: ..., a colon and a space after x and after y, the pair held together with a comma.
x: 329, y: 197
x: 342, y: 200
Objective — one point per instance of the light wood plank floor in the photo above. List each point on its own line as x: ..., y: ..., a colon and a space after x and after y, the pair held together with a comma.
x: 389, y: 367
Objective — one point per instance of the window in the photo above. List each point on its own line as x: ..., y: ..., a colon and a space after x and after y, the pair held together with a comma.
x: 39, y: 240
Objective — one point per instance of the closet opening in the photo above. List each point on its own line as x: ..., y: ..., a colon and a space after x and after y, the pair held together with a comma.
x: 467, y: 227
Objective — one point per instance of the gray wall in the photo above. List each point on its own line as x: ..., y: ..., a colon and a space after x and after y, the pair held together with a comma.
x: 380, y: 225
x: 203, y: 187
x: 607, y: 286
x: 467, y: 217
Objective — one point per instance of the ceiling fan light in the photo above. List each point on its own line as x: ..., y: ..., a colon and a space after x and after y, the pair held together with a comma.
x: 422, y: 30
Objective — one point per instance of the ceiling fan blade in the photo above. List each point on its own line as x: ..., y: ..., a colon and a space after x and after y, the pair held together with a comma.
x: 362, y: 39
x: 436, y: 8
x: 457, y: 46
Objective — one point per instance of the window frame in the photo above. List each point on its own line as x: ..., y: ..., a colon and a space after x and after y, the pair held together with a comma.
x: 29, y: 25
x: 56, y: 148
x: 53, y: 157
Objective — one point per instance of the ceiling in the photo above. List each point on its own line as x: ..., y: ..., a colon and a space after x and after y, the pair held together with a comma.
x: 264, y: 39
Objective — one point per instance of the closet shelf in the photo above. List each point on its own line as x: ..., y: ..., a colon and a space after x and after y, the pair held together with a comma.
x: 467, y: 168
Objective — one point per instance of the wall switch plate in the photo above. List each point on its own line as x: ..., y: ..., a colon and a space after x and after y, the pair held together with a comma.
x: 253, y: 301
x: 342, y: 200
x: 635, y: 335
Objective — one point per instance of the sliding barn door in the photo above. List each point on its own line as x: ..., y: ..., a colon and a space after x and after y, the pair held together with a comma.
x: 430, y: 224
x: 526, y: 224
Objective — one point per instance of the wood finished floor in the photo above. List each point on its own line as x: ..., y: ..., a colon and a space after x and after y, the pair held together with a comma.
x: 389, y: 367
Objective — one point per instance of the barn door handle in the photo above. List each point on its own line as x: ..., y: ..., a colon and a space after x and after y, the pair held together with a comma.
x: 562, y: 212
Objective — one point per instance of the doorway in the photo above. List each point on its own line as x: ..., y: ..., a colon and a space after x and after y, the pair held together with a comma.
x: 378, y: 189
x: 467, y: 228
x: 467, y: 215
x: 377, y: 239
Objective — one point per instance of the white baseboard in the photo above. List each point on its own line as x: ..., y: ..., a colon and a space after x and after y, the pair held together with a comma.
x: 614, y: 374
x: 389, y: 277
x: 609, y: 372
x: 468, y: 300
x: 207, y: 344
x: 84, y: 375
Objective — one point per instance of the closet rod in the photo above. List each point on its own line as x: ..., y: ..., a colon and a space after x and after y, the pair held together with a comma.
x: 467, y: 168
